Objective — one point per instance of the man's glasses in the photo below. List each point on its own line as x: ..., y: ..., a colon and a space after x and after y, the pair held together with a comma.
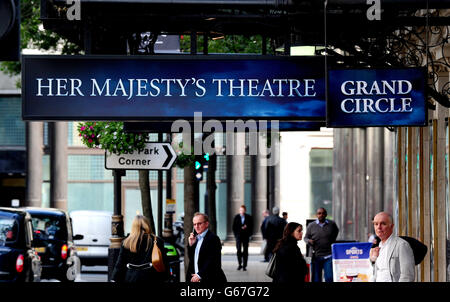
x: 199, y: 223
x: 318, y: 213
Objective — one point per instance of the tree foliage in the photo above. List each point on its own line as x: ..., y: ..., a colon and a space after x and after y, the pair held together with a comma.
x: 111, y: 136
x: 226, y: 44
x: 33, y: 35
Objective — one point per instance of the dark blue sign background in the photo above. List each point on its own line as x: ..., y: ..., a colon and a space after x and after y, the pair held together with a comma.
x: 359, y: 250
x: 173, y: 106
x: 336, y: 117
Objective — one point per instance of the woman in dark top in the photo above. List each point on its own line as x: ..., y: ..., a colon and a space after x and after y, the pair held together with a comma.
x: 137, y: 249
x: 290, y: 264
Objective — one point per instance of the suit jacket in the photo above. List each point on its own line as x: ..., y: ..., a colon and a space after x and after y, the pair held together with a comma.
x: 263, y: 227
x: 274, y: 228
x: 237, y: 227
x: 401, y: 261
x: 209, y: 260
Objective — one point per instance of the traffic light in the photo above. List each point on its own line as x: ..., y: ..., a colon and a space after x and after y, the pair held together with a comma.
x: 9, y: 30
x: 201, y: 165
x: 198, y: 168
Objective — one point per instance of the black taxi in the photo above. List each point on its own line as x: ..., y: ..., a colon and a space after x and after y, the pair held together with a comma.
x: 54, y: 242
x: 18, y: 260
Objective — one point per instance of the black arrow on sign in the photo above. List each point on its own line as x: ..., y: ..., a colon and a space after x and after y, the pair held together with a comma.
x: 169, y: 156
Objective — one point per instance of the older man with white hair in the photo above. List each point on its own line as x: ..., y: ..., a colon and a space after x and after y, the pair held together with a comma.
x: 394, y: 258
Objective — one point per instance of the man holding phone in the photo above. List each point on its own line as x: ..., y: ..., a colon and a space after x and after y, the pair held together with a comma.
x: 393, y: 257
x: 204, y: 251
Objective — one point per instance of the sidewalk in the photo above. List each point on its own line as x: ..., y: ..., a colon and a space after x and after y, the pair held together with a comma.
x: 229, y: 248
x: 255, y: 269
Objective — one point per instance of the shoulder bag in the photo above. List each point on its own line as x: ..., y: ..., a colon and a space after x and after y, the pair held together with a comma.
x: 270, y: 270
x: 157, y: 258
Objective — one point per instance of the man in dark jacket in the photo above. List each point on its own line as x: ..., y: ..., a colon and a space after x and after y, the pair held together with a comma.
x: 320, y: 235
x: 274, y: 229
x: 242, y: 229
x: 266, y: 215
x: 204, y: 251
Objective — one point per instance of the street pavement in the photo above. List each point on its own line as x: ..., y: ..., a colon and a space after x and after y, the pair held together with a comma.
x: 255, y: 268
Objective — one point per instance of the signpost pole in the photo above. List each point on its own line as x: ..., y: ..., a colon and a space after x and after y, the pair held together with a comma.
x: 160, y: 195
x: 117, y: 230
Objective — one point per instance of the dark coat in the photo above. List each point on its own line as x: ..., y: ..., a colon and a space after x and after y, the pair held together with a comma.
x: 290, y: 265
x: 264, y: 227
x: 275, y: 227
x: 209, y: 260
x: 237, y: 227
x: 122, y: 274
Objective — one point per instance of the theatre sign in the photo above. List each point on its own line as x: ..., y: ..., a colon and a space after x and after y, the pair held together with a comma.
x: 376, y: 97
x: 171, y: 87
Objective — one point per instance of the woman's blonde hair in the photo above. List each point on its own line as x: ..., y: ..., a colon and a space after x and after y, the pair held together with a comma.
x: 139, y: 227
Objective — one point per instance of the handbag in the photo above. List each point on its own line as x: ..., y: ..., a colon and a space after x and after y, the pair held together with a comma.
x: 270, y: 270
x: 263, y: 247
x: 157, y: 258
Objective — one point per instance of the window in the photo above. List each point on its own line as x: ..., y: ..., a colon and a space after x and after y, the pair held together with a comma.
x: 8, y: 230
x: 12, y: 128
x: 320, y: 166
x: 49, y: 227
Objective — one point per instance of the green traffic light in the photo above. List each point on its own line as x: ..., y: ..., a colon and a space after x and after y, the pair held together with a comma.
x: 197, y: 165
x: 206, y: 156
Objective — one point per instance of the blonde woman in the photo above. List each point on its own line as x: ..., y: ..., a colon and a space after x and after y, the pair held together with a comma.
x: 137, y: 250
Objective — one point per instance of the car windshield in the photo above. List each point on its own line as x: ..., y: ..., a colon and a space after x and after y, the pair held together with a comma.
x: 49, y: 227
x: 8, y: 230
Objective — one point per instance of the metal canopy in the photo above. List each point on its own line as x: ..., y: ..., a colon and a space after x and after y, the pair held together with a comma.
x: 267, y: 17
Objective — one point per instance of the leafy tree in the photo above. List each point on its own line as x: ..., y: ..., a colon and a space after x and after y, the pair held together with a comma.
x: 226, y: 44
x: 33, y: 35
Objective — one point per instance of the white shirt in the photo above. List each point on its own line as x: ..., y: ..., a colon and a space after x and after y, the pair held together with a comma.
x: 200, y: 238
x: 382, y: 263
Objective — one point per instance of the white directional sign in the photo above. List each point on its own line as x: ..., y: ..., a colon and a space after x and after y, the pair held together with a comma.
x: 155, y: 156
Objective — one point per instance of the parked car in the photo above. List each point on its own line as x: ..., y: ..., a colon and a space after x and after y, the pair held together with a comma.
x: 54, y: 242
x: 18, y: 260
x: 95, y: 226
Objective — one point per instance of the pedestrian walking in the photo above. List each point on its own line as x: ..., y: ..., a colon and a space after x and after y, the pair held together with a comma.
x: 290, y: 265
x: 204, y: 251
x: 274, y: 230
x: 264, y: 250
x: 135, y: 256
x: 243, y: 230
x: 394, y: 258
x: 320, y: 235
x: 285, y: 216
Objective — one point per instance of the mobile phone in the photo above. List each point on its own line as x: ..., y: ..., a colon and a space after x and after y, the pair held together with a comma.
x: 194, y: 231
x: 374, y: 245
